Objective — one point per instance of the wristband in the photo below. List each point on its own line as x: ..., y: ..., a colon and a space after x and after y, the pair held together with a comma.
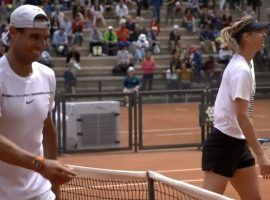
x: 38, y: 163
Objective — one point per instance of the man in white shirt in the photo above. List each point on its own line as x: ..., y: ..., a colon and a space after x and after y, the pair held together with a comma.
x: 28, y: 166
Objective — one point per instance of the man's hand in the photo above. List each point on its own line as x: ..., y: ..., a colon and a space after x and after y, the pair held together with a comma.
x: 56, y: 172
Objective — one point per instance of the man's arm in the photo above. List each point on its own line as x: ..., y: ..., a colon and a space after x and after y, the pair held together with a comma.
x: 11, y: 153
x: 50, y: 146
x: 49, y: 138
x: 52, y: 170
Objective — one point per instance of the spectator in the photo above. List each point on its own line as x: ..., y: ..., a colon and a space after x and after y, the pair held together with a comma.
x: 156, y: 8
x: 172, y: 80
x: 73, y: 57
x: 97, y: 11
x: 60, y: 42
x: 226, y: 18
x: 174, y: 38
x: 67, y: 25
x: 110, y: 41
x: 55, y: 24
x: 184, y: 54
x: 66, y: 4
x: 131, y: 84
x: 70, y: 81
x: 169, y: 11
x: 4, y: 11
x: 48, y: 7
x: 154, y: 41
x: 189, y: 21
x: 108, y: 7
x: 186, y: 75
x: 123, y: 58
x: 121, y: 10
x: 209, y: 68
x: 196, y: 59
x: 78, y: 6
x: 254, y: 3
x: 207, y: 40
x: 216, y: 21
x: 58, y: 14
x: 77, y: 28
x: 224, y: 55
x: 222, y: 4
x: 249, y: 12
x: 154, y: 23
x: 135, y: 34
x: 46, y: 58
x: 73, y: 65
x: 133, y: 38
x: 142, y: 46
x: 123, y: 34
x: 194, y: 7
x: 205, y: 18
x: 148, y: 67
x: 95, y: 42
x: 139, y: 7
x: 173, y: 7
x: 5, y: 38
x: 175, y: 60
x: 130, y: 23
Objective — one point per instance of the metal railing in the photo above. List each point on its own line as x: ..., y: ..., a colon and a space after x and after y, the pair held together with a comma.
x: 145, y: 106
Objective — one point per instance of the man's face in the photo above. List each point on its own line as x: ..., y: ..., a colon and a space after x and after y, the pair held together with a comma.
x: 29, y: 43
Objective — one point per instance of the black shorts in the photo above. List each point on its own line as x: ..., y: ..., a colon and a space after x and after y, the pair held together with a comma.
x: 223, y: 154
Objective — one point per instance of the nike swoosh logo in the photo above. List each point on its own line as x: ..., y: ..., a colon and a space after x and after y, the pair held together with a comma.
x: 28, y: 102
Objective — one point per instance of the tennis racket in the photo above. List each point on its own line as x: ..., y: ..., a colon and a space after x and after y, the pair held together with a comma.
x: 265, y: 146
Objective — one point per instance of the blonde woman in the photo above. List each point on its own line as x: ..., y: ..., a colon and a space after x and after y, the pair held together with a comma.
x: 226, y: 155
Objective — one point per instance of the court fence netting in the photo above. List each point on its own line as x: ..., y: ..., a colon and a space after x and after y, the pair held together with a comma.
x: 105, y: 184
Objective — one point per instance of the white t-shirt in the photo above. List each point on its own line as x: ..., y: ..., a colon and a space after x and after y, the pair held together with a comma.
x: 238, y: 82
x: 24, y: 105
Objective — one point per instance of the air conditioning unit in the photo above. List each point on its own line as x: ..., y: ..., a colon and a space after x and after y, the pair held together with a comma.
x: 92, y: 125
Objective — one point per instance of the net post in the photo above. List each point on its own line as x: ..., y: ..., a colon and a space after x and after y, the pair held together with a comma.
x: 135, y: 102
x: 202, y: 116
x: 140, y: 115
x: 58, y: 123
x: 63, y: 100
x: 151, y: 189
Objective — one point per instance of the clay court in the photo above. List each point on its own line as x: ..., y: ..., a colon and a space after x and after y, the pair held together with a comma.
x: 170, y: 124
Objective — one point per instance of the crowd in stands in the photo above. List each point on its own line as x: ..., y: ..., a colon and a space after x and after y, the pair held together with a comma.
x: 133, y: 44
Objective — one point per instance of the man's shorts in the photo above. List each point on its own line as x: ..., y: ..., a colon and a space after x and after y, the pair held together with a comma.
x: 223, y: 154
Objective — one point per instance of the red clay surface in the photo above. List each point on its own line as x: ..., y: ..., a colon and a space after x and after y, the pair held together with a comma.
x: 170, y: 124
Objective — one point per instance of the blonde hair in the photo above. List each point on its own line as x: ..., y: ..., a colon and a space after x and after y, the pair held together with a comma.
x: 228, y: 34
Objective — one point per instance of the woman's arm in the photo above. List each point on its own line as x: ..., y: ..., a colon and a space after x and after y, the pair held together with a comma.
x: 241, y: 108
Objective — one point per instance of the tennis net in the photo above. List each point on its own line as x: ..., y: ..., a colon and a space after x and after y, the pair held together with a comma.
x: 265, y: 146
x: 104, y: 184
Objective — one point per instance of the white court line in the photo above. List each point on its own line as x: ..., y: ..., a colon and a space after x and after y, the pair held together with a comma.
x: 176, y: 134
x: 165, y: 130
x: 260, y: 116
x: 192, y: 180
x: 200, y: 180
x: 266, y: 129
x: 171, y: 129
x: 184, y: 129
x: 178, y: 170
x: 181, y: 109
